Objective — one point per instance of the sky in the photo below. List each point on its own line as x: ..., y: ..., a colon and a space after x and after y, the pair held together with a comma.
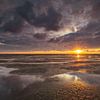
x: 31, y: 25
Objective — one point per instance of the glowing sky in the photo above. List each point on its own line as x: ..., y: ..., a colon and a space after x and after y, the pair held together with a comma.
x: 49, y: 24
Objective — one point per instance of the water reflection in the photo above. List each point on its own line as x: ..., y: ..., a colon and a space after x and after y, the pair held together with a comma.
x: 78, y: 77
x: 78, y: 56
x: 83, y: 70
x: 66, y: 77
x: 6, y: 71
x: 81, y: 57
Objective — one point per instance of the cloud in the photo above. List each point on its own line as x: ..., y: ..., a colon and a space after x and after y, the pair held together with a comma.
x: 49, y: 21
x: 93, y: 27
x: 52, y: 15
x: 96, y: 10
x: 11, y: 22
x: 40, y: 36
x: 78, y: 39
x: 14, y: 18
x: 30, y: 22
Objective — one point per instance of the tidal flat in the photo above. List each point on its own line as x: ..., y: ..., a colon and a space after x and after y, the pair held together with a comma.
x: 49, y: 77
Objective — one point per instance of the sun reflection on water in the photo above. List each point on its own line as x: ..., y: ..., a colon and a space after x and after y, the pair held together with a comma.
x: 67, y: 77
x: 78, y: 57
x: 82, y: 71
x: 71, y: 79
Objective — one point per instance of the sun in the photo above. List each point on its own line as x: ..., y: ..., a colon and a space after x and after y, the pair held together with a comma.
x: 78, y: 51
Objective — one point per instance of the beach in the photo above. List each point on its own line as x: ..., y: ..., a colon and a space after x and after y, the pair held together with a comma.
x: 49, y: 77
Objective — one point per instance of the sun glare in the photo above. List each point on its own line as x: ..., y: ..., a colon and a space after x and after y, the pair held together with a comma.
x: 78, y: 51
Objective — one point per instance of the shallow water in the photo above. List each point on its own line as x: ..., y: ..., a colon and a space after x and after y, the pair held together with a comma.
x: 49, y: 77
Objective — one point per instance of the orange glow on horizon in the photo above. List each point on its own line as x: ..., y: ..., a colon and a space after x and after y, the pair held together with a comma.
x: 77, y: 51
x: 84, y: 51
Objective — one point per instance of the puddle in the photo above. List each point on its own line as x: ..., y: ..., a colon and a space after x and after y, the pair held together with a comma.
x: 72, y: 77
x: 6, y: 71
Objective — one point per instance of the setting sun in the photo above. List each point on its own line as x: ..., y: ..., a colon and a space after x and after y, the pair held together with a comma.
x: 78, y: 51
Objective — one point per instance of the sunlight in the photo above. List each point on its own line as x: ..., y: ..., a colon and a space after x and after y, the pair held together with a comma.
x: 67, y: 77
x: 78, y: 56
x: 78, y: 51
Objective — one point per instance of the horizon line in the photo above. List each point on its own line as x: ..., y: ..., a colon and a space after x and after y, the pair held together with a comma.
x: 49, y: 52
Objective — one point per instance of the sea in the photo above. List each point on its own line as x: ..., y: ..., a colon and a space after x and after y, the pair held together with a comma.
x: 49, y: 77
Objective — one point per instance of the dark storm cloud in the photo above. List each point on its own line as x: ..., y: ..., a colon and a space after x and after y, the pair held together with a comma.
x: 96, y: 10
x: 14, y: 19
x: 49, y: 21
x: 40, y: 36
x: 11, y: 22
x: 53, y: 16
x: 92, y: 28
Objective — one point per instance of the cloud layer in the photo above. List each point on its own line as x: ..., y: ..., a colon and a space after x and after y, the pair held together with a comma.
x: 33, y: 22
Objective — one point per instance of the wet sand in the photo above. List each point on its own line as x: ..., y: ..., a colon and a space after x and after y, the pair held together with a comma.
x: 49, y: 77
